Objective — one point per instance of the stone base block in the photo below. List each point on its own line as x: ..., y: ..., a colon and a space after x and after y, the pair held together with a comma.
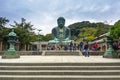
x: 10, y: 56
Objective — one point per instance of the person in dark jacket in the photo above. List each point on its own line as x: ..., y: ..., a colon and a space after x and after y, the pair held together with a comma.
x: 81, y: 46
x: 86, y: 50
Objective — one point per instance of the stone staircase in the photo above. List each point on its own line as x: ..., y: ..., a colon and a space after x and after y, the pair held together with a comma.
x: 59, y: 71
x: 62, y: 53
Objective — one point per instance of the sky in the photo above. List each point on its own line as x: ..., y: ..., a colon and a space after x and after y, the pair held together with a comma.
x: 43, y: 14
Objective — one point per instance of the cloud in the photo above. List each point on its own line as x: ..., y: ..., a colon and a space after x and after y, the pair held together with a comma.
x: 44, y: 13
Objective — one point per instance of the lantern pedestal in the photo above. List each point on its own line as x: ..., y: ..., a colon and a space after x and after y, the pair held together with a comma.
x: 11, y: 52
x: 110, y: 52
x: 10, y: 56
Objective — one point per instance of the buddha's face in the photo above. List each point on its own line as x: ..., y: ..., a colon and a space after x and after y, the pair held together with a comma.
x: 61, y: 22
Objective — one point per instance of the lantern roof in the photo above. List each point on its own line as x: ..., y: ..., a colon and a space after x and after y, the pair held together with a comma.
x: 12, y: 33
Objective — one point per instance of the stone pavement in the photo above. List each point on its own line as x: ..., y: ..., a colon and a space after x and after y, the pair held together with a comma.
x: 59, y: 59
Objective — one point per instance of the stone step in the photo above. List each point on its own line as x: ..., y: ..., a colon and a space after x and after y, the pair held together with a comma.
x: 61, y: 64
x: 60, y: 72
x: 59, y: 67
x: 59, y: 77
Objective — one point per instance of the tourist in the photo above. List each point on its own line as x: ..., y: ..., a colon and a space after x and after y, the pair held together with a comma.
x: 74, y: 46
x: 71, y: 45
x: 48, y: 48
x: 115, y: 45
x: 95, y: 46
x: 65, y: 47
x: 81, y: 45
x: 86, y: 50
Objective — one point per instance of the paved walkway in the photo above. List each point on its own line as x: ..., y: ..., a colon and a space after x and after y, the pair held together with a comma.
x: 59, y: 59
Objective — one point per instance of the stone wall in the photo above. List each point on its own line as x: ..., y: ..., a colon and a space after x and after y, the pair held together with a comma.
x: 97, y: 53
x: 25, y: 52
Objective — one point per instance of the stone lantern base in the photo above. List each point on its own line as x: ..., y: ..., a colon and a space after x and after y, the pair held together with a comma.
x: 10, y: 55
x: 110, y: 53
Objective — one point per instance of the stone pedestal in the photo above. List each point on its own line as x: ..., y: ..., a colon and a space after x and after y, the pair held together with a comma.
x: 110, y: 52
x: 11, y: 52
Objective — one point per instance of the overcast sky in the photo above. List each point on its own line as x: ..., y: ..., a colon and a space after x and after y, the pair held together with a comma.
x: 44, y: 13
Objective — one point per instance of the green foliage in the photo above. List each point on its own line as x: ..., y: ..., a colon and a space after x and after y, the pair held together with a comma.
x: 4, y: 34
x: 115, y: 30
x: 32, y: 37
x: 3, y: 22
x: 23, y: 25
x: 22, y: 35
x: 40, y: 37
x: 3, y: 30
x: 101, y: 28
x: 48, y: 37
x: 24, y: 31
x: 77, y: 29
x: 88, y: 33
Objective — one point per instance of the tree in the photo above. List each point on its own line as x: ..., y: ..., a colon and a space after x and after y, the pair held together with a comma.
x: 25, y: 33
x: 115, y: 30
x: 23, y: 25
x: 4, y: 37
x: 88, y: 33
x: 24, y: 30
x: 48, y: 37
x: 3, y: 22
x: 3, y: 31
x: 102, y: 28
x: 25, y: 37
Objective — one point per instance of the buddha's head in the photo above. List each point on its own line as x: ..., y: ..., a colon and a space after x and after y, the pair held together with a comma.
x: 61, y: 22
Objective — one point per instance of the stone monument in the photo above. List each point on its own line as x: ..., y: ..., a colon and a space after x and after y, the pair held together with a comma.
x: 60, y: 34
